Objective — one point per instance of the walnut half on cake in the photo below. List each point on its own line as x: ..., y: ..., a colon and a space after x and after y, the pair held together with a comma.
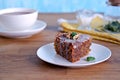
x: 72, y: 46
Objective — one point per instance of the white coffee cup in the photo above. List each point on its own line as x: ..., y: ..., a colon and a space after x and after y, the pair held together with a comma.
x: 17, y: 19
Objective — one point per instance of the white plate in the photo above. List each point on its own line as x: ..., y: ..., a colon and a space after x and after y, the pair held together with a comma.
x: 36, y: 28
x: 48, y: 54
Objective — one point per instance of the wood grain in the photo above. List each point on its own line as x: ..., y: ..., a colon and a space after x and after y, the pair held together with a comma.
x: 18, y: 60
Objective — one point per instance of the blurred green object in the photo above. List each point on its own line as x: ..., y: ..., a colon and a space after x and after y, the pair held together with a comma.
x: 113, y: 26
x: 90, y: 58
x: 73, y: 34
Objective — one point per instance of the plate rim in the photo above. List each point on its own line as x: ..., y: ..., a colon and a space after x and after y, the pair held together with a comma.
x: 27, y: 30
x: 25, y: 33
x: 73, y: 65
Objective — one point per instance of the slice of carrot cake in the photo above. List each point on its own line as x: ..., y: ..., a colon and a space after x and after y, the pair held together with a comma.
x: 72, y: 46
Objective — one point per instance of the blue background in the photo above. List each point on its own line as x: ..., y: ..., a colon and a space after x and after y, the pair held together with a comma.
x: 56, y: 6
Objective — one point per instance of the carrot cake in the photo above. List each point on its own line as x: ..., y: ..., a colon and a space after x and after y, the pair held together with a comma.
x: 72, y: 46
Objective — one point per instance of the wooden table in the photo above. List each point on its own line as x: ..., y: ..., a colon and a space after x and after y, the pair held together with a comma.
x: 18, y: 60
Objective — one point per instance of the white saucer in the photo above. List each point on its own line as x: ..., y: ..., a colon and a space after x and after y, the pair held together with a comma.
x: 47, y: 53
x: 36, y: 28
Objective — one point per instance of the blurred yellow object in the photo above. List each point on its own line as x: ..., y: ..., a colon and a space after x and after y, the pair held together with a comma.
x: 97, y: 23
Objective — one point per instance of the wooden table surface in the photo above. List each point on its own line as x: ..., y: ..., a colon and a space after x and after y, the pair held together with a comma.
x: 18, y: 60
